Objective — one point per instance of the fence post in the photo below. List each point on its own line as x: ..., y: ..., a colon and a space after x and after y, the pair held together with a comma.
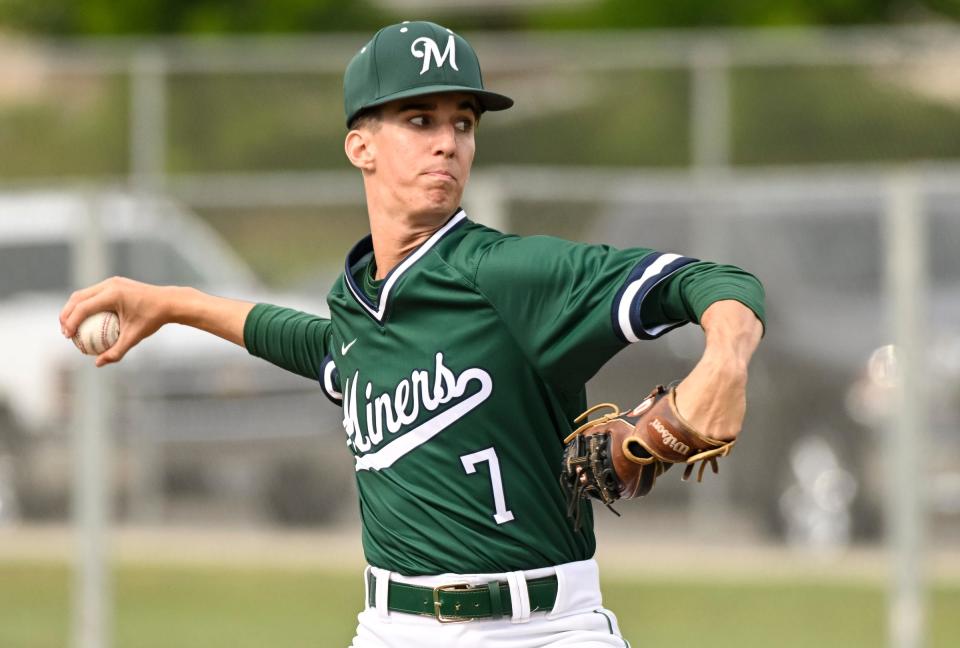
x: 91, y: 459
x: 906, y: 286
x: 148, y: 119
x: 709, y: 107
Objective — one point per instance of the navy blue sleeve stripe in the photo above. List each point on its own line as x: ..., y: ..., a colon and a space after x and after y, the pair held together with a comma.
x: 651, y: 270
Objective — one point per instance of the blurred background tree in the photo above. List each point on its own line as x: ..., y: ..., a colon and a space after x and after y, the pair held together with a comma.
x: 101, y: 17
x: 745, y: 13
x: 97, y: 17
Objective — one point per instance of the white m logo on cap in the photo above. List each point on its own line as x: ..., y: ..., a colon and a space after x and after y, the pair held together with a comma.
x: 431, y: 52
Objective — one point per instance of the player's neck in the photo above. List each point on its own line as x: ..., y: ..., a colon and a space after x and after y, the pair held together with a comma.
x: 395, y: 237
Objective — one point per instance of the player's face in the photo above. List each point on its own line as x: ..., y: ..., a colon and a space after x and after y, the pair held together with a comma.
x: 422, y: 152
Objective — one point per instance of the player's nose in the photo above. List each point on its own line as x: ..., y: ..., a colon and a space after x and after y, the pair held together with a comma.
x: 445, y: 140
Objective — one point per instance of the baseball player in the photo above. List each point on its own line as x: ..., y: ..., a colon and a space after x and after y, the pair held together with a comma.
x: 459, y: 356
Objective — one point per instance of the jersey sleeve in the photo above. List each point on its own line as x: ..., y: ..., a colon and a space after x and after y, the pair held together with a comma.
x: 684, y: 295
x: 291, y: 339
x: 571, y: 306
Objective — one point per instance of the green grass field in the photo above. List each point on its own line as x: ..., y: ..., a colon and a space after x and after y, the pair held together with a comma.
x: 207, y: 607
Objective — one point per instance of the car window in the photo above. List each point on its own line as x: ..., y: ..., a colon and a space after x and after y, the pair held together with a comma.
x: 846, y: 254
x: 944, y: 241
x: 46, y: 267
x: 42, y: 268
x: 155, y: 262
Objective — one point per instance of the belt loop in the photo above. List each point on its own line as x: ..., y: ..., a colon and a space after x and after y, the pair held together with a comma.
x: 381, y: 593
x: 519, y: 597
x: 496, y: 603
x: 368, y: 600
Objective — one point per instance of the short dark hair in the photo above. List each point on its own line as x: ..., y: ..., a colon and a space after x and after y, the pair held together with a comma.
x: 368, y: 117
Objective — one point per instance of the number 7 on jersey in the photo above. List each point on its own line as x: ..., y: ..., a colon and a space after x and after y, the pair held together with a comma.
x: 489, y: 455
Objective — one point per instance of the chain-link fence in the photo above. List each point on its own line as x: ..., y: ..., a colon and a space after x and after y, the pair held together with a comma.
x: 248, y: 132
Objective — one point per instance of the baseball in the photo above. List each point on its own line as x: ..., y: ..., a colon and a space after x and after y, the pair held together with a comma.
x: 97, y: 333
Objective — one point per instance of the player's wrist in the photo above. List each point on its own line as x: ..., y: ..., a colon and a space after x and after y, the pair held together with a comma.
x: 180, y: 304
x: 726, y: 361
x: 717, y: 373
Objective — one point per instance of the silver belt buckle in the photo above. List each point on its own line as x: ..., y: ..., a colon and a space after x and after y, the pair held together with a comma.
x: 436, y: 601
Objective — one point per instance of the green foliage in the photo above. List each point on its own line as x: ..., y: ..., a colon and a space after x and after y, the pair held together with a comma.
x: 72, y: 17
x: 621, y: 118
x: 617, y: 14
x: 69, y: 17
x: 948, y: 8
x: 78, y: 126
x: 224, y: 122
x: 789, y: 116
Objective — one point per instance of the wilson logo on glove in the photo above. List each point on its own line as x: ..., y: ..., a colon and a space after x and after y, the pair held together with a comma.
x: 621, y: 455
x: 668, y: 439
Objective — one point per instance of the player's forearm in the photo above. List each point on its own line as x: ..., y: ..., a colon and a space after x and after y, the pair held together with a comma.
x: 220, y: 316
x: 733, y: 333
x: 713, y: 396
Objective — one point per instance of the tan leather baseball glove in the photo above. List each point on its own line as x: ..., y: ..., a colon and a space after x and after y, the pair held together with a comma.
x: 621, y: 454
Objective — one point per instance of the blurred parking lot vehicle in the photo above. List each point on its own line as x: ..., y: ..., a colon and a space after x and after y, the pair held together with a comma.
x: 203, y: 431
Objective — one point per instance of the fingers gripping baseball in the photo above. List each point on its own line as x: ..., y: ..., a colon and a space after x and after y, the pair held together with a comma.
x: 142, y: 309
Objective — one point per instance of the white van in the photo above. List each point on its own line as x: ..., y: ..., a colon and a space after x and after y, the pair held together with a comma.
x: 196, y: 418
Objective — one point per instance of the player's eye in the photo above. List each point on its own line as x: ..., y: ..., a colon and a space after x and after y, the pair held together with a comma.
x: 464, y: 125
x: 420, y: 120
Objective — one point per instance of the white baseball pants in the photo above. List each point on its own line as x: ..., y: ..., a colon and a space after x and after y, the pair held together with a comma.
x: 577, y: 620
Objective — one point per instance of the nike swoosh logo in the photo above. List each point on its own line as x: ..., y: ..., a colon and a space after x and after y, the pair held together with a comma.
x: 344, y: 348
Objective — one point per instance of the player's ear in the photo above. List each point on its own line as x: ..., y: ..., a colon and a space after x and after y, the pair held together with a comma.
x: 359, y: 148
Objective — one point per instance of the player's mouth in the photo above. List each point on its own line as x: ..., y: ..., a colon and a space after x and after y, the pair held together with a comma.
x: 440, y: 174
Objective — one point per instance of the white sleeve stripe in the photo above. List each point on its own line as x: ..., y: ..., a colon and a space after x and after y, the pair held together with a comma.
x: 623, y: 312
x: 328, y: 381
x: 648, y: 279
x: 656, y: 331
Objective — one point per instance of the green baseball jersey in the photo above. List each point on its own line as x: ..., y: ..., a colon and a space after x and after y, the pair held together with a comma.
x: 460, y: 374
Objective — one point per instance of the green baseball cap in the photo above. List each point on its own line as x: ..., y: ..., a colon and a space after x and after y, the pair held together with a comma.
x: 412, y: 59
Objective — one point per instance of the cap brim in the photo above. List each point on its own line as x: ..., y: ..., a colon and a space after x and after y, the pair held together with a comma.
x: 488, y: 100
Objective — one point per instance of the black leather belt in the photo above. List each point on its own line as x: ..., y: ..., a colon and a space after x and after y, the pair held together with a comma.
x: 462, y: 602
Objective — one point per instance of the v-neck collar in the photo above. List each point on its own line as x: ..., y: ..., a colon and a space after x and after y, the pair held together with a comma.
x: 363, y: 250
